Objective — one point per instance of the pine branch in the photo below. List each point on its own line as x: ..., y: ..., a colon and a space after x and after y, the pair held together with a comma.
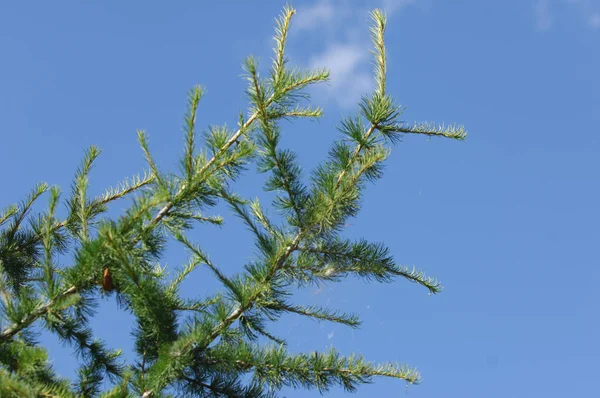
x: 377, y: 33
x: 9, y: 332
x: 13, y: 386
x: 261, y: 217
x: 454, y: 132
x: 300, y: 83
x: 203, y: 258
x: 336, y: 259
x: 281, y: 32
x: 109, y: 196
x: 143, y: 140
x: 318, y: 313
x: 221, y: 386
x: 50, y: 241
x: 200, y: 306
x: 212, y: 353
x: 253, y: 326
x: 377, y: 115
x: 21, y: 212
x: 226, y: 322
x: 24, y: 366
x: 7, y: 213
x: 190, y: 122
x: 98, y: 360
x: 183, y: 273
x: 238, y: 205
x: 355, y: 155
x: 169, y: 205
x: 123, y: 189
x: 82, y: 211
x: 277, y: 368
x: 296, y: 112
x: 271, y: 138
x: 301, y: 79
x: 296, y: 81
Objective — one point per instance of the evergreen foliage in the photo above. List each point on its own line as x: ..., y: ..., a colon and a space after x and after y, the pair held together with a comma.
x: 208, y: 346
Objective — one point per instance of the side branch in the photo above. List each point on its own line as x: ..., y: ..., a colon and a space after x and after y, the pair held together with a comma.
x: 355, y: 154
x: 29, y: 319
x: 430, y: 129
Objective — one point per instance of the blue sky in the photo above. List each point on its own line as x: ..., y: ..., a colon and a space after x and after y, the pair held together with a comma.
x: 508, y: 221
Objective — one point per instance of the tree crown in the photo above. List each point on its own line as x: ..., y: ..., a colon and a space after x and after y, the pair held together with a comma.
x: 206, y: 346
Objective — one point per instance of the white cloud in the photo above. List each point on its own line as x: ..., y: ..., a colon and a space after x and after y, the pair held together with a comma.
x: 594, y: 21
x: 313, y: 16
x: 589, y: 11
x: 392, y: 6
x: 346, y: 63
x: 343, y: 32
x: 542, y: 15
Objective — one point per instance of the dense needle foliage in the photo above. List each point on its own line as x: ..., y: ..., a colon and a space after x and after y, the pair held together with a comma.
x: 209, y: 346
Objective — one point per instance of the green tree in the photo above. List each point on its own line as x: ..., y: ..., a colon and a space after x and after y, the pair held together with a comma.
x: 208, y: 346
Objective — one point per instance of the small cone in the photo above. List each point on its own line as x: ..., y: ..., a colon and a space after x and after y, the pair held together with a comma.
x: 107, y: 283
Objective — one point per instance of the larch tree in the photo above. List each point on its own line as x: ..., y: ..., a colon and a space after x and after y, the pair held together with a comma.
x: 218, y: 346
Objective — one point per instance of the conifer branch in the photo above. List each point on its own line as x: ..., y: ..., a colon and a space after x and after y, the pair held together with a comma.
x: 318, y: 313
x: 281, y: 32
x: 197, y: 306
x: 238, y: 205
x: 183, y: 273
x: 337, y: 259
x: 297, y: 81
x: 454, y: 132
x: 277, y: 367
x: 377, y: 30
x: 169, y: 205
x: 80, y: 211
x: 271, y: 138
x: 297, y: 112
x: 218, y: 329
x: 355, y: 155
x: 301, y: 82
x: 190, y: 123
x: 110, y: 195
x: 7, y: 213
x: 123, y: 189
x: 13, y: 386
x: 215, y: 350
x: 143, y: 140
x: 379, y: 109
x: 260, y: 216
x: 50, y: 241
x: 203, y: 258
x: 21, y: 212
x: 34, y: 315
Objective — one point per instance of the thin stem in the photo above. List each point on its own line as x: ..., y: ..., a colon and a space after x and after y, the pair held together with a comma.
x: 35, y: 314
x: 167, y: 207
x: 265, y: 121
x: 409, y: 376
x: 356, y: 152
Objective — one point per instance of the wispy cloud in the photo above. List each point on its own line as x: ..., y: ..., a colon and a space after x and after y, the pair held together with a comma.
x: 344, y: 52
x: 544, y: 10
x: 594, y: 21
x: 346, y: 62
x: 393, y: 6
x: 313, y: 16
x: 542, y: 15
